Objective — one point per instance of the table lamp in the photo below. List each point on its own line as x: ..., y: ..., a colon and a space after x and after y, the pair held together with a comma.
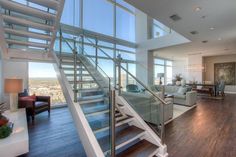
x: 13, y: 87
x: 160, y: 75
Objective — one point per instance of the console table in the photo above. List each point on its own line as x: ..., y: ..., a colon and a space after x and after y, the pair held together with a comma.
x: 18, y: 142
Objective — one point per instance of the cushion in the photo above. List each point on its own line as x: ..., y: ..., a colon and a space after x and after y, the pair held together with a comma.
x: 29, y: 98
x: 40, y: 104
x: 182, y: 90
x: 179, y: 96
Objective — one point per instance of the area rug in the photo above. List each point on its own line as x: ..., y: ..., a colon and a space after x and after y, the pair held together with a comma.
x: 178, y: 110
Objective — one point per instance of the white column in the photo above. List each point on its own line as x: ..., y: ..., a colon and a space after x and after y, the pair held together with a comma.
x: 143, y: 56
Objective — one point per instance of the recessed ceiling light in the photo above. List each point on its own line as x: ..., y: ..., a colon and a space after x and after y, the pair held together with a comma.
x: 219, y: 38
x: 197, y: 9
x: 212, y: 28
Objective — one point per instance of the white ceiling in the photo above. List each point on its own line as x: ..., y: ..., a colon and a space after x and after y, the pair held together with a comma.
x: 220, y: 14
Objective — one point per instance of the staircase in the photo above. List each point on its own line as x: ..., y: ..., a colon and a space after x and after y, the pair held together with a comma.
x: 132, y: 136
x: 30, y: 25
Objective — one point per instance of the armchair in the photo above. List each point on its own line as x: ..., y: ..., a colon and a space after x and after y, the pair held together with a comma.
x: 34, y: 104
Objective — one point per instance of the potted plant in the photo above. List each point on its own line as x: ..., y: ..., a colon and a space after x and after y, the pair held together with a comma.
x: 5, y: 125
x: 177, y: 79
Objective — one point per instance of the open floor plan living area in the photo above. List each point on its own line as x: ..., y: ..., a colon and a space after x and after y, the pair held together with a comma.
x: 117, y: 78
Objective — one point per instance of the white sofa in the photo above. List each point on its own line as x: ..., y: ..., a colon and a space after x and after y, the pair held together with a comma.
x: 183, y: 95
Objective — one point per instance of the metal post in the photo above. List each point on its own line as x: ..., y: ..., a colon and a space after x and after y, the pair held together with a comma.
x: 113, y: 123
x: 75, y: 72
x: 119, y: 73
x: 96, y: 53
x: 162, y: 124
x: 60, y: 48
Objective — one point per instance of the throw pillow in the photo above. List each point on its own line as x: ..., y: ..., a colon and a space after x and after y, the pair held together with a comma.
x: 182, y: 90
x: 28, y: 98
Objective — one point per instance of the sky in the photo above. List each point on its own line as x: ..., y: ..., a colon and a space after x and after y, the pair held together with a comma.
x: 41, y: 70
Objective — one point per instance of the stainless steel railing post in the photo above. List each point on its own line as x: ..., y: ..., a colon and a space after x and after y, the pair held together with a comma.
x: 60, y: 48
x: 75, y: 72
x: 113, y: 123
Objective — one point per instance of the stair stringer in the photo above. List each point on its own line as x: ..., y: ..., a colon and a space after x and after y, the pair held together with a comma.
x: 97, y: 76
x: 150, y: 135
x: 87, y: 137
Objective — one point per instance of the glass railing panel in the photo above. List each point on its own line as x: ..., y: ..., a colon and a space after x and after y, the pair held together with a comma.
x: 141, y: 100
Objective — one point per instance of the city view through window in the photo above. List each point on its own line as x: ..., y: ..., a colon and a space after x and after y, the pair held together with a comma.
x: 43, y: 82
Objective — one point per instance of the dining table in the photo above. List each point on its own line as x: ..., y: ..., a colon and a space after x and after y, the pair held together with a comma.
x: 213, y: 86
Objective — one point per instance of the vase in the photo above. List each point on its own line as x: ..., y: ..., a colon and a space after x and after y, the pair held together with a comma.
x: 178, y: 83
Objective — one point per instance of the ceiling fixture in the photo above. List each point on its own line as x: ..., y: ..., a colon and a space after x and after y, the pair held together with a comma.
x: 194, y: 32
x: 175, y: 17
x: 203, y: 17
x: 212, y: 28
x: 219, y: 39
x: 204, y: 41
x: 196, y: 9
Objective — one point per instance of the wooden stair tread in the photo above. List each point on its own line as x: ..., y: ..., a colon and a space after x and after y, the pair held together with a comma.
x: 127, y: 134
x: 101, y: 122
x: 141, y: 149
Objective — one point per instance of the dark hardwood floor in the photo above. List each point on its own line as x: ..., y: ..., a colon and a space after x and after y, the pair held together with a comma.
x: 55, y: 136
x: 209, y: 130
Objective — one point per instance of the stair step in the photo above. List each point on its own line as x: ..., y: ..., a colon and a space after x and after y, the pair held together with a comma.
x: 53, y: 4
x: 69, y: 63
x: 83, y: 82
x: 25, y: 43
x: 26, y: 23
x: 89, y: 90
x: 26, y: 10
x: 28, y: 34
x: 102, y: 124
x: 88, y: 100
x: 94, y: 107
x: 123, y: 137
x: 141, y: 149
x: 72, y: 69
x: 72, y: 75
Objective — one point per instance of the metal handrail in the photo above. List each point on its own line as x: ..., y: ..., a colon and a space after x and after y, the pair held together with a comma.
x: 140, y: 82
x: 86, y: 54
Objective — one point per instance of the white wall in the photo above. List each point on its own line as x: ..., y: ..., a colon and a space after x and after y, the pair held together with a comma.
x: 144, y: 51
x: 195, y: 64
x: 15, y: 69
x: 209, y: 72
x: 180, y: 67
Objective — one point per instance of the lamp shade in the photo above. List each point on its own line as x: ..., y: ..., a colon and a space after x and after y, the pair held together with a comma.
x: 13, y: 85
x: 160, y: 75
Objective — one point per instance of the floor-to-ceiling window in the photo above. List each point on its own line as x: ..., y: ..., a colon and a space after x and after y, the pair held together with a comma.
x: 43, y: 82
x: 108, y: 22
x: 163, y: 71
x: 159, y: 29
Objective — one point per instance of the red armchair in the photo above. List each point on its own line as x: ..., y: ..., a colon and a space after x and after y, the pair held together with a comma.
x: 34, y: 104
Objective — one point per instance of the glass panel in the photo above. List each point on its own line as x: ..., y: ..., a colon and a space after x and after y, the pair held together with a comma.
x: 98, y: 16
x: 43, y: 82
x: 107, y: 66
x: 169, y: 75
x: 159, y: 29
x: 68, y: 13
x: 125, y: 25
x: 127, y: 56
x: 142, y: 101
x: 169, y: 63
x: 159, y: 61
x: 158, y: 69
